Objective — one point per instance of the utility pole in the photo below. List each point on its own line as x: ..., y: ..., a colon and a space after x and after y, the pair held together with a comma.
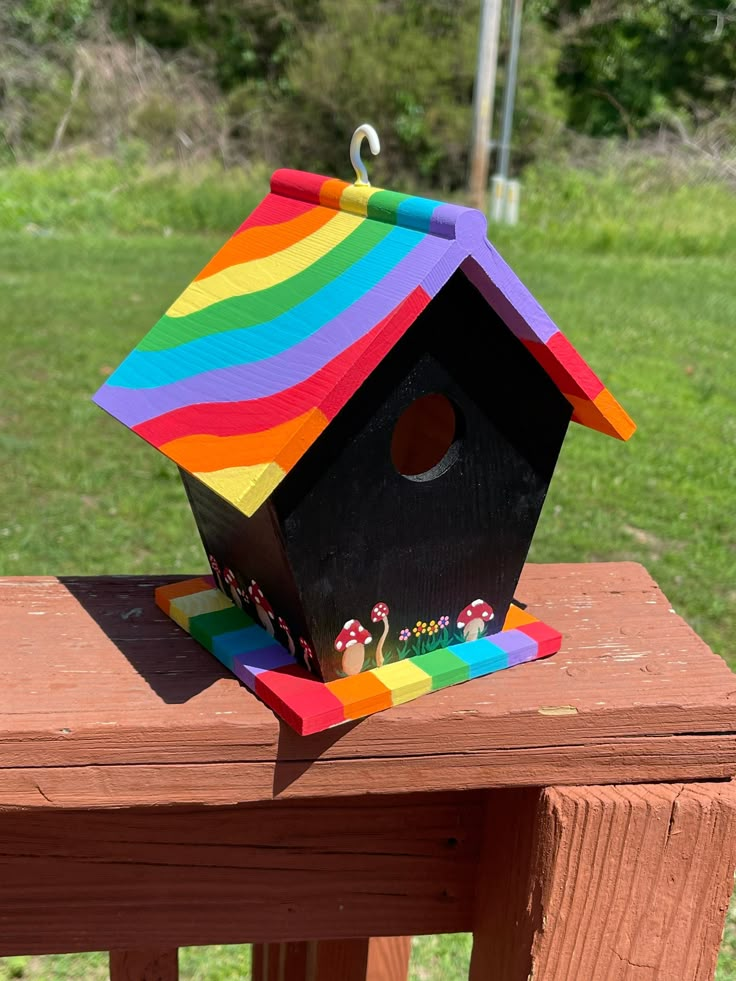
x: 510, y: 90
x: 483, y: 95
x: 505, y: 193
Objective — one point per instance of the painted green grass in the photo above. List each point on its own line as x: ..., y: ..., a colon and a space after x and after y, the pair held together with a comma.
x: 81, y: 495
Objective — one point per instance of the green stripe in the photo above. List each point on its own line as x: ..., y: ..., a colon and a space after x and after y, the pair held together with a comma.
x: 384, y: 205
x: 205, y: 627
x: 265, y: 305
x: 443, y: 667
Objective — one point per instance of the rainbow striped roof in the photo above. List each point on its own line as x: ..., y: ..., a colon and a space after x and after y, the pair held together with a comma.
x: 256, y: 357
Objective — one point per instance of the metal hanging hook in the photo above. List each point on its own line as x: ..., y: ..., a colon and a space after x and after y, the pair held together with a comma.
x: 364, y: 131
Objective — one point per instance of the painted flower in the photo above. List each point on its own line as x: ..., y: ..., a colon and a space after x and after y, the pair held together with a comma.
x: 421, y: 628
x: 443, y: 622
x: 404, y: 634
x: 432, y: 627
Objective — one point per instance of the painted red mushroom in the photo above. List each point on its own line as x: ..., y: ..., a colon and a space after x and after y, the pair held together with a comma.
x: 290, y: 643
x: 308, y: 654
x: 351, y: 643
x: 473, y: 619
x: 263, y: 607
x: 378, y: 613
x: 215, y: 566
x: 232, y: 583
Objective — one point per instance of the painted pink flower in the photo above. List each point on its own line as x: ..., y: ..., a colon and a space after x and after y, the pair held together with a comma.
x: 404, y: 634
x: 443, y: 622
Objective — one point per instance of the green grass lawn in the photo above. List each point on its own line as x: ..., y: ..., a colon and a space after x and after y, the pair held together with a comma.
x: 81, y: 495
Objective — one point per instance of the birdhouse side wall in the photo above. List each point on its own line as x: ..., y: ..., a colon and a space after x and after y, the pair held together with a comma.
x: 251, y: 567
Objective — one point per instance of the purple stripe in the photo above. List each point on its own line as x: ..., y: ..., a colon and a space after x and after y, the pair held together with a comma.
x: 443, y: 269
x: 466, y: 225
x: 517, y: 645
x: 508, y: 296
x: 247, y: 666
x: 259, y: 379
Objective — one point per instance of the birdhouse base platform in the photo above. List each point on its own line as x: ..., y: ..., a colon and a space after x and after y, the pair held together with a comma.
x: 309, y: 705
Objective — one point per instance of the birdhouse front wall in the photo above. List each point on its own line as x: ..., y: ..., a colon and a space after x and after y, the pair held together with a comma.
x: 360, y: 565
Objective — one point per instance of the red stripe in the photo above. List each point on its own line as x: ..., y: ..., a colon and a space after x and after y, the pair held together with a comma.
x: 300, y: 699
x: 274, y: 209
x: 565, y: 367
x: 257, y: 415
x: 390, y: 331
x: 298, y: 184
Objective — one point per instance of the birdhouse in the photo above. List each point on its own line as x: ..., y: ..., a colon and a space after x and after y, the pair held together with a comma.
x: 366, y: 406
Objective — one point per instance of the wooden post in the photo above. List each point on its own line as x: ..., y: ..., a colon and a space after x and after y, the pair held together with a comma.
x: 377, y: 959
x: 483, y: 97
x: 630, y: 883
x: 144, y: 965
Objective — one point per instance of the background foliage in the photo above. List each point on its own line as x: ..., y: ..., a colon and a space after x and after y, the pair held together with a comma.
x: 187, y: 80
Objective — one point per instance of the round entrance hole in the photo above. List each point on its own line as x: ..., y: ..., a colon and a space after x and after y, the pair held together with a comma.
x: 426, y: 438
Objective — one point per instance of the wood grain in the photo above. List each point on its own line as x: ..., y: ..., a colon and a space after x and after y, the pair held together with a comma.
x: 506, y: 917
x: 634, y: 882
x: 618, y: 883
x: 144, y: 965
x: 267, y: 873
x: 107, y: 703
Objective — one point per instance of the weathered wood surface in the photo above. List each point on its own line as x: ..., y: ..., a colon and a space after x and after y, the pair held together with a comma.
x: 375, y: 959
x: 272, y: 872
x: 107, y: 703
x: 625, y: 883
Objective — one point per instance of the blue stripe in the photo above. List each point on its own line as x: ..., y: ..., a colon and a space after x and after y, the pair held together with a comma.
x: 482, y: 656
x: 149, y: 369
x: 227, y: 646
x: 416, y: 213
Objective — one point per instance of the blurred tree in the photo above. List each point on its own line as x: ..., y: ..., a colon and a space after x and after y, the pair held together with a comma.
x: 627, y: 65
x: 43, y: 21
x: 239, y: 41
x: 410, y: 71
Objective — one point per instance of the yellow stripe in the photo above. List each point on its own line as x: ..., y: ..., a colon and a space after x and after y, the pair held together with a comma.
x: 208, y: 601
x: 244, y: 487
x: 260, y: 274
x: 355, y: 200
x: 404, y: 680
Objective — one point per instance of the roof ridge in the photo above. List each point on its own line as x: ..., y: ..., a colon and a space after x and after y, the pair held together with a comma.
x: 449, y: 221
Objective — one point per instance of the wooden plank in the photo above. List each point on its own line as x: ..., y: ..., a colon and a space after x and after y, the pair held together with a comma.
x: 375, y: 959
x: 506, y: 917
x: 622, y: 883
x: 160, y: 877
x: 144, y: 965
x: 626, y: 760
x: 103, y: 694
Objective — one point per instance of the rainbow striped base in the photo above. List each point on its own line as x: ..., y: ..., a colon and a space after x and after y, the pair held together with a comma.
x: 309, y: 705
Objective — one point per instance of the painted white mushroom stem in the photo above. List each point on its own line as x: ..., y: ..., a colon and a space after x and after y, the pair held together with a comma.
x: 380, y: 612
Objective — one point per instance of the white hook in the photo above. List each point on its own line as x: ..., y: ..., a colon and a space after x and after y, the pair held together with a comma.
x: 364, y: 131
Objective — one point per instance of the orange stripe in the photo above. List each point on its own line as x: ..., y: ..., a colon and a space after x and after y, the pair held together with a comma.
x: 265, y: 240
x: 603, y: 414
x: 314, y: 423
x: 204, y: 453
x: 331, y: 192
